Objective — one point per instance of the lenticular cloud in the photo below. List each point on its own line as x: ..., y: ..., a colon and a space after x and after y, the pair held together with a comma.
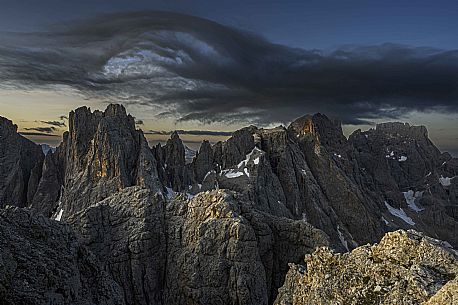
x: 195, y: 69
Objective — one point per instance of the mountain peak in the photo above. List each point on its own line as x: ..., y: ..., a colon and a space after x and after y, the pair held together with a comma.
x: 115, y: 110
x: 405, y: 129
x: 274, y: 193
x: 7, y: 125
x: 175, y: 135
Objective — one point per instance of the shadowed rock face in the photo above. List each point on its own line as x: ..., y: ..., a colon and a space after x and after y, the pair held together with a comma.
x: 127, y: 233
x: 354, y: 190
x: 404, y: 268
x: 172, y: 163
x: 214, y: 248
x: 227, y: 252
x: 42, y: 262
x: 408, y: 172
x: 20, y: 166
x: 222, y: 228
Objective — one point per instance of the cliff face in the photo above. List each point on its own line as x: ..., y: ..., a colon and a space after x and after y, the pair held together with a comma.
x: 214, y: 248
x: 227, y: 252
x: 412, y: 177
x: 42, y: 262
x: 126, y: 231
x: 223, y: 227
x: 101, y: 154
x: 404, y: 268
x: 20, y: 166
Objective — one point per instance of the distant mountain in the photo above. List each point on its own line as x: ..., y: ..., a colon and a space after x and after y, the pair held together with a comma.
x: 222, y: 225
x: 46, y: 148
x: 189, y: 154
x: 21, y: 163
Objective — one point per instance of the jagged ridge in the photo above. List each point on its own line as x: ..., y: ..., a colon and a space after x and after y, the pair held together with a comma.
x: 133, y: 206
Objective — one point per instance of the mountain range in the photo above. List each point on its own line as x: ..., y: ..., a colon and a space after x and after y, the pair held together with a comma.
x: 271, y: 216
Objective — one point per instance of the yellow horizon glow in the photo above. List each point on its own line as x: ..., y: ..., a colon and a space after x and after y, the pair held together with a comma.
x: 27, y: 108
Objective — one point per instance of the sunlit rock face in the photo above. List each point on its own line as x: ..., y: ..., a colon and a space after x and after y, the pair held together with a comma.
x: 222, y: 227
x: 101, y: 154
x: 20, y: 166
x: 404, y: 268
x: 214, y: 248
x: 227, y: 252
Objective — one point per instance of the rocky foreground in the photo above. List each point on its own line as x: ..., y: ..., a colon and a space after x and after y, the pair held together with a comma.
x: 105, y: 219
x: 404, y: 268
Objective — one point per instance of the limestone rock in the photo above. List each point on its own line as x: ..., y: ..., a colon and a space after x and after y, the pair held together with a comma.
x: 226, y: 252
x: 172, y: 163
x: 404, y: 268
x: 127, y: 233
x: 203, y: 161
x: 214, y: 248
x: 223, y: 227
x: 20, y: 166
x: 50, y: 187
x: 410, y: 175
x: 42, y: 262
x: 447, y: 295
x: 101, y: 154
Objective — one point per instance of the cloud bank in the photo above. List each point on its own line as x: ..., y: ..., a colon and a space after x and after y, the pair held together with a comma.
x: 54, y: 123
x: 26, y: 133
x: 192, y: 133
x: 42, y: 129
x: 193, y: 69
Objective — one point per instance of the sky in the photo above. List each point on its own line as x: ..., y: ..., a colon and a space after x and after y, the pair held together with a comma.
x: 211, y: 67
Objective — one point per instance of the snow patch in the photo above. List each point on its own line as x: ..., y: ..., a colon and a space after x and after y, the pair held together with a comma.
x: 248, y: 157
x: 59, y: 215
x: 342, y: 238
x: 402, y: 158
x: 246, y: 172
x: 189, y: 196
x: 411, y: 197
x: 385, y: 221
x: 338, y: 155
x: 303, y: 171
x: 400, y: 214
x: 209, y: 173
x: 390, y: 155
x: 256, y: 161
x: 230, y: 173
x: 170, y: 193
x: 446, y: 181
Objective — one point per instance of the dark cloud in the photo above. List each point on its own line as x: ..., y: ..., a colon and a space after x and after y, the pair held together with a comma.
x: 54, y: 123
x: 26, y: 133
x: 192, y: 132
x: 195, y: 69
x: 42, y: 129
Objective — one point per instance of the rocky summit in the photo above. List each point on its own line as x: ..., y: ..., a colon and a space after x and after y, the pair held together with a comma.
x: 404, y: 268
x: 106, y: 219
